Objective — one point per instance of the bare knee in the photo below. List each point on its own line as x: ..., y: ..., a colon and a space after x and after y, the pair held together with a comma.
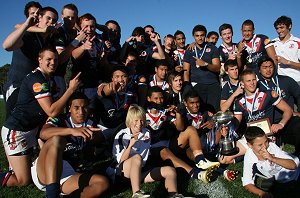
x: 19, y: 181
x: 137, y: 160
x: 168, y: 172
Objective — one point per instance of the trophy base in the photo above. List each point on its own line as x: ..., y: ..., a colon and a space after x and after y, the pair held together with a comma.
x: 233, y: 151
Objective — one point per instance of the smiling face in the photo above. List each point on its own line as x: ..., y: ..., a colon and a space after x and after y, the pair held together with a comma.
x: 247, y: 32
x: 137, y: 125
x: 161, y: 72
x: 48, y: 62
x: 259, y: 145
x: 89, y: 27
x: 120, y: 78
x: 79, y: 111
x: 249, y: 82
x: 180, y: 41
x: 267, y: 70
x: 48, y: 19
x: 282, y: 30
x: 156, y: 97
x: 192, y: 104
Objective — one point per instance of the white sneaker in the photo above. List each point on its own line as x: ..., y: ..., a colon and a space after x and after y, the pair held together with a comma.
x: 206, y: 164
x: 140, y: 194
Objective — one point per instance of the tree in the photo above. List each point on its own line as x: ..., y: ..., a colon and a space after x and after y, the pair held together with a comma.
x: 3, y: 75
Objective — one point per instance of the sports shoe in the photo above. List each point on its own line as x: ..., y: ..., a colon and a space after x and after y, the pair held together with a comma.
x: 230, y: 175
x: 4, y: 178
x: 140, y: 194
x: 206, y: 164
x: 208, y: 175
x: 176, y: 196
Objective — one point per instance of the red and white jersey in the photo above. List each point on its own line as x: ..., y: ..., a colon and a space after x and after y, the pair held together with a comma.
x: 155, y: 121
x: 163, y: 85
x: 289, y: 50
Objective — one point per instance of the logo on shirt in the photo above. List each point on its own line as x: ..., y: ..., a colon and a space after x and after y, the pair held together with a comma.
x: 37, y: 87
x: 45, y: 87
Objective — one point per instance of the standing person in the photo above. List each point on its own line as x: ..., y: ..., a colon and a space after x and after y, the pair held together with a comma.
x: 88, y: 59
x: 26, y: 46
x: 265, y: 159
x: 66, y: 41
x: 179, y: 39
x: 287, y: 49
x: 253, y: 46
x: 33, y: 107
x: 212, y: 37
x: 202, y: 67
x: 131, y: 151
x: 227, y: 49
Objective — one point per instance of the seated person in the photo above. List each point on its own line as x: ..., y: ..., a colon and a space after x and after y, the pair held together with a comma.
x: 265, y: 159
x: 162, y: 134
x: 68, y: 138
x: 131, y: 150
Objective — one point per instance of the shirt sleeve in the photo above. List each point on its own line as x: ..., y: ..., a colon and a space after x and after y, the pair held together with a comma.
x: 247, y: 169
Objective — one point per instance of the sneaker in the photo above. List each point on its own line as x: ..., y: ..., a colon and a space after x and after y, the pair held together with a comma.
x: 230, y: 175
x: 208, y: 175
x: 4, y: 178
x: 177, y: 196
x: 206, y: 164
x: 140, y: 194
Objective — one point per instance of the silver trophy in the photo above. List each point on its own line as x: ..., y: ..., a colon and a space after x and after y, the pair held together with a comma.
x: 227, y: 145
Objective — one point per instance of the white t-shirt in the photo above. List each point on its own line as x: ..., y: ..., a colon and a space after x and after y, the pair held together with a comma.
x: 290, y: 50
x: 254, y: 167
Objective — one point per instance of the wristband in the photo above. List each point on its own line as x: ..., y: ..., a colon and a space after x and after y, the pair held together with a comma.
x: 281, y: 124
x: 75, y: 42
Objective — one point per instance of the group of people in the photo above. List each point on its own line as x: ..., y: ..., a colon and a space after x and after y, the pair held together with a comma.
x: 150, y: 102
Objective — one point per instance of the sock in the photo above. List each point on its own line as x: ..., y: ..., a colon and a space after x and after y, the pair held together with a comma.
x: 239, y: 159
x: 4, y: 178
x: 53, y: 190
x: 172, y: 193
x: 75, y: 194
x: 194, y: 173
x: 220, y: 171
x: 198, y: 158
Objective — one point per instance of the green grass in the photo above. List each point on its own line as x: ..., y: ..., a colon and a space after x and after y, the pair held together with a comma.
x: 185, y: 185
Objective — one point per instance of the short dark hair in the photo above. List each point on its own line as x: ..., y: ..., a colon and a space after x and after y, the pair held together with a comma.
x: 225, y: 26
x: 190, y: 94
x: 283, y: 20
x: 29, y: 5
x: 198, y: 28
x: 248, y: 22
x: 115, y: 23
x: 229, y: 63
x: 77, y: 95
x: 264, y: 59
x: 161, y: 62
x: 178, y: 32
x: 252, y: 133
x: 149, y: 26
x: 49, y: 47
x: 119, y: 68
x: 50, y: 9
x: 138, y: 31
x: 246, y: 72
x: 70, y: 6
x: 209, y: 34
x: 153, y: 89
x: 87, y: 16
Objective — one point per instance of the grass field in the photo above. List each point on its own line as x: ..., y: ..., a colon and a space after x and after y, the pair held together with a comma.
x: 186, y: 186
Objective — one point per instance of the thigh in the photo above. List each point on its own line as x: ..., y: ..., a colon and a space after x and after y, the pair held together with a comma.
x: 70, y: 184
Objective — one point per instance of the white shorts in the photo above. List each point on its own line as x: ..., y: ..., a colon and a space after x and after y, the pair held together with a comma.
x: 67, y: 172
x: 16, y: 142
